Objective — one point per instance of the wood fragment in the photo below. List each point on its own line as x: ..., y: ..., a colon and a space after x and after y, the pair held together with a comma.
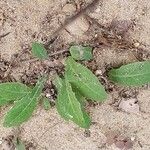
x: 70, y: 20
x: 4, y: 35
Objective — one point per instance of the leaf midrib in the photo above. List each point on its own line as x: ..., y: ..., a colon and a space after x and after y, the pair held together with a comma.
x: 26, y: 106
x: 72, y: 105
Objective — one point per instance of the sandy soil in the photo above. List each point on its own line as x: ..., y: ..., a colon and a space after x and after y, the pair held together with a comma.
x: 118, y: 30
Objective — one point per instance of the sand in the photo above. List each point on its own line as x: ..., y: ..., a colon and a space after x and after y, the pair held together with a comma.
x: 27, y: 21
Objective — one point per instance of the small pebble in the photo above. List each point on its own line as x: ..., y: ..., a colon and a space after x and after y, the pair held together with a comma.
x: 97, y: 10
x: 132, y: 138
x: 98, y: 72
x: 96, y: 35
x: 136, y: 44
x: 48, y: 95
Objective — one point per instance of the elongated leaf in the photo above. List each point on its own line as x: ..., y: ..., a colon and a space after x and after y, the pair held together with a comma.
x: 79, y: 52
x: 134, y: 74
x: 12, y: 91
x: 23, y: 109
x: 58, y: 82
x: 69, y: 107
x: 75, y: 108
x: 60, y: 85
x: 84, y: 80
x: 39, y: 51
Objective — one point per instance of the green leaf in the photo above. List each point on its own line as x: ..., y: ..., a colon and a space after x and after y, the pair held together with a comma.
x: 79, y: 96
x: 23, y: 109
x: 39, y: 51
x: 20, y: 145
x: 46, y: 103
x: 12, y: 91
x: 81, y: 52
x: 134, y: 74
x: 5, y: 101
x: 58, y: 82
x: 69, y: 107
x: 60, y: 85
x: 84, y: 80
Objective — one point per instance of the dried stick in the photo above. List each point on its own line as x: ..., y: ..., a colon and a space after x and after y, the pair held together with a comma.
x: 71, y: 19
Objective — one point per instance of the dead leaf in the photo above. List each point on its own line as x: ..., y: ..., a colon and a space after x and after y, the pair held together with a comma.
x: 128, y: 144
x: 120, y: 144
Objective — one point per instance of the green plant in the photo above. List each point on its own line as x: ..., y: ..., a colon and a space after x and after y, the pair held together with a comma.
x: 25, y: 101
x: 39, y: 51
x: 79, y: 83
x: 68, y: 106
x: 134, y: 74
x: 14, y: 91
x: 71, y: 92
